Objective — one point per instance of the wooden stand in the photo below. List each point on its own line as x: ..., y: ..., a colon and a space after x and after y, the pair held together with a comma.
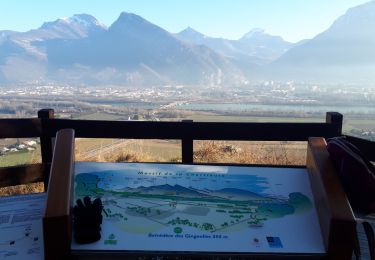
x: 336, y: 218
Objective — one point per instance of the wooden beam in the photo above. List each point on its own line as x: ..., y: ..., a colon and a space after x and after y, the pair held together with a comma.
x: 45, y: 140
x: 20, y: 128
x: 336, y: 218
x: 17, y: 175
x: 57, y: 226
x: 335, y: 119
x: 187, y: 147
x: 194, y: 131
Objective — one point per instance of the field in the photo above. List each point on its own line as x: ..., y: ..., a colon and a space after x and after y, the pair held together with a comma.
x: 17, y: 158
x: 351, y: 124
x: 111, y: 150
x: 101, y: 116
x: 116, y: 150
x: 20, y: 157
x: 250, y: 152
x: 226, y: 118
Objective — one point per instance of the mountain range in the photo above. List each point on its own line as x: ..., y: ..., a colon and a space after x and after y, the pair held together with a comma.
x: 134, y: 52
x: 178, y: 190
x: 256, y: 46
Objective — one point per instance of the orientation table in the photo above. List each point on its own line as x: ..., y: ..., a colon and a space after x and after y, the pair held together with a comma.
x: 174, y: 211
x: 201, y: 209
x: 21, y: 233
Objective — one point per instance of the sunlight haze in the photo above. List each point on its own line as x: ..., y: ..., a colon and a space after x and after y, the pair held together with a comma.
x: 294, y: 20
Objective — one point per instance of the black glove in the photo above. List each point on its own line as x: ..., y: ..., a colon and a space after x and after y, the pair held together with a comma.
x: 87, y: 219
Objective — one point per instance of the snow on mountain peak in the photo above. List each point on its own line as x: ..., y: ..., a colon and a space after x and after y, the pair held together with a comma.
x: 254, y: 32
x: 85, y: 20
x: 81, y: 20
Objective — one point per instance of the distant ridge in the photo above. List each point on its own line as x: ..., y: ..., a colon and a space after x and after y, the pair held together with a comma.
x: 344, y: 53
x: 80, y: 50
x: 132, y: 51
x: 256, y: 46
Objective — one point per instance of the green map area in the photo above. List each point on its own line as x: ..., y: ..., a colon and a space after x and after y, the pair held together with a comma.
x: 154, y: 203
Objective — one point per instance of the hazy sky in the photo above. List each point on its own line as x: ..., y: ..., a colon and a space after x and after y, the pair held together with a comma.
x: 294, y: 20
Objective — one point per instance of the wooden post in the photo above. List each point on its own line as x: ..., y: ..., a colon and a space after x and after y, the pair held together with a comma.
x: 46, y: 141
x: 187, y: 147
x: 336, y: 119
x: 57, y: 227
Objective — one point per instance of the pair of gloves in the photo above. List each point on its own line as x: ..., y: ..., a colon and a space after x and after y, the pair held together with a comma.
x: 87, y: 218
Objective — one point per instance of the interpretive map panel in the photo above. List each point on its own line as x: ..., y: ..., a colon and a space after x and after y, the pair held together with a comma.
x: 21, y: 232
x: 170, y: 207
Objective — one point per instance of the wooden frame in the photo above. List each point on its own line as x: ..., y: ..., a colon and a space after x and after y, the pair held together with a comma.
x: 336, y: 218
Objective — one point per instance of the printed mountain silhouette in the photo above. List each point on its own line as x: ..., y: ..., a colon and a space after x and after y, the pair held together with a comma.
x: 238, y: 192
x: 169, y: 190
x: 178, y: 190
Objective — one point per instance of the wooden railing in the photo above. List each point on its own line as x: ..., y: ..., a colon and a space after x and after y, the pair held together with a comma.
x: 46, y: 127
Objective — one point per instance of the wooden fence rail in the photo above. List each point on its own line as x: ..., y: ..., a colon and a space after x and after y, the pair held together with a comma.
x: 46, y: 127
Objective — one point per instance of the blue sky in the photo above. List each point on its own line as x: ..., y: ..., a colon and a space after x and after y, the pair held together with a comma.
x: 294, y: 20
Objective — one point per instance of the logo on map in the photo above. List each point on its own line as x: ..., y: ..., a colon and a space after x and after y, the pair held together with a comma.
x: 256, y: 242
x: 177, y: 230
x: 274, y: 242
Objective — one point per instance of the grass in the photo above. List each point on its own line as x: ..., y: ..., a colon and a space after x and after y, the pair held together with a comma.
x: 273, y: 153
x: 146, y: 151
x: 110, y: 149
x: 15, y: 158
x: 86, y: 144
x: 20, y: 158
x: 163, y: 150
x: 22, y: 189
